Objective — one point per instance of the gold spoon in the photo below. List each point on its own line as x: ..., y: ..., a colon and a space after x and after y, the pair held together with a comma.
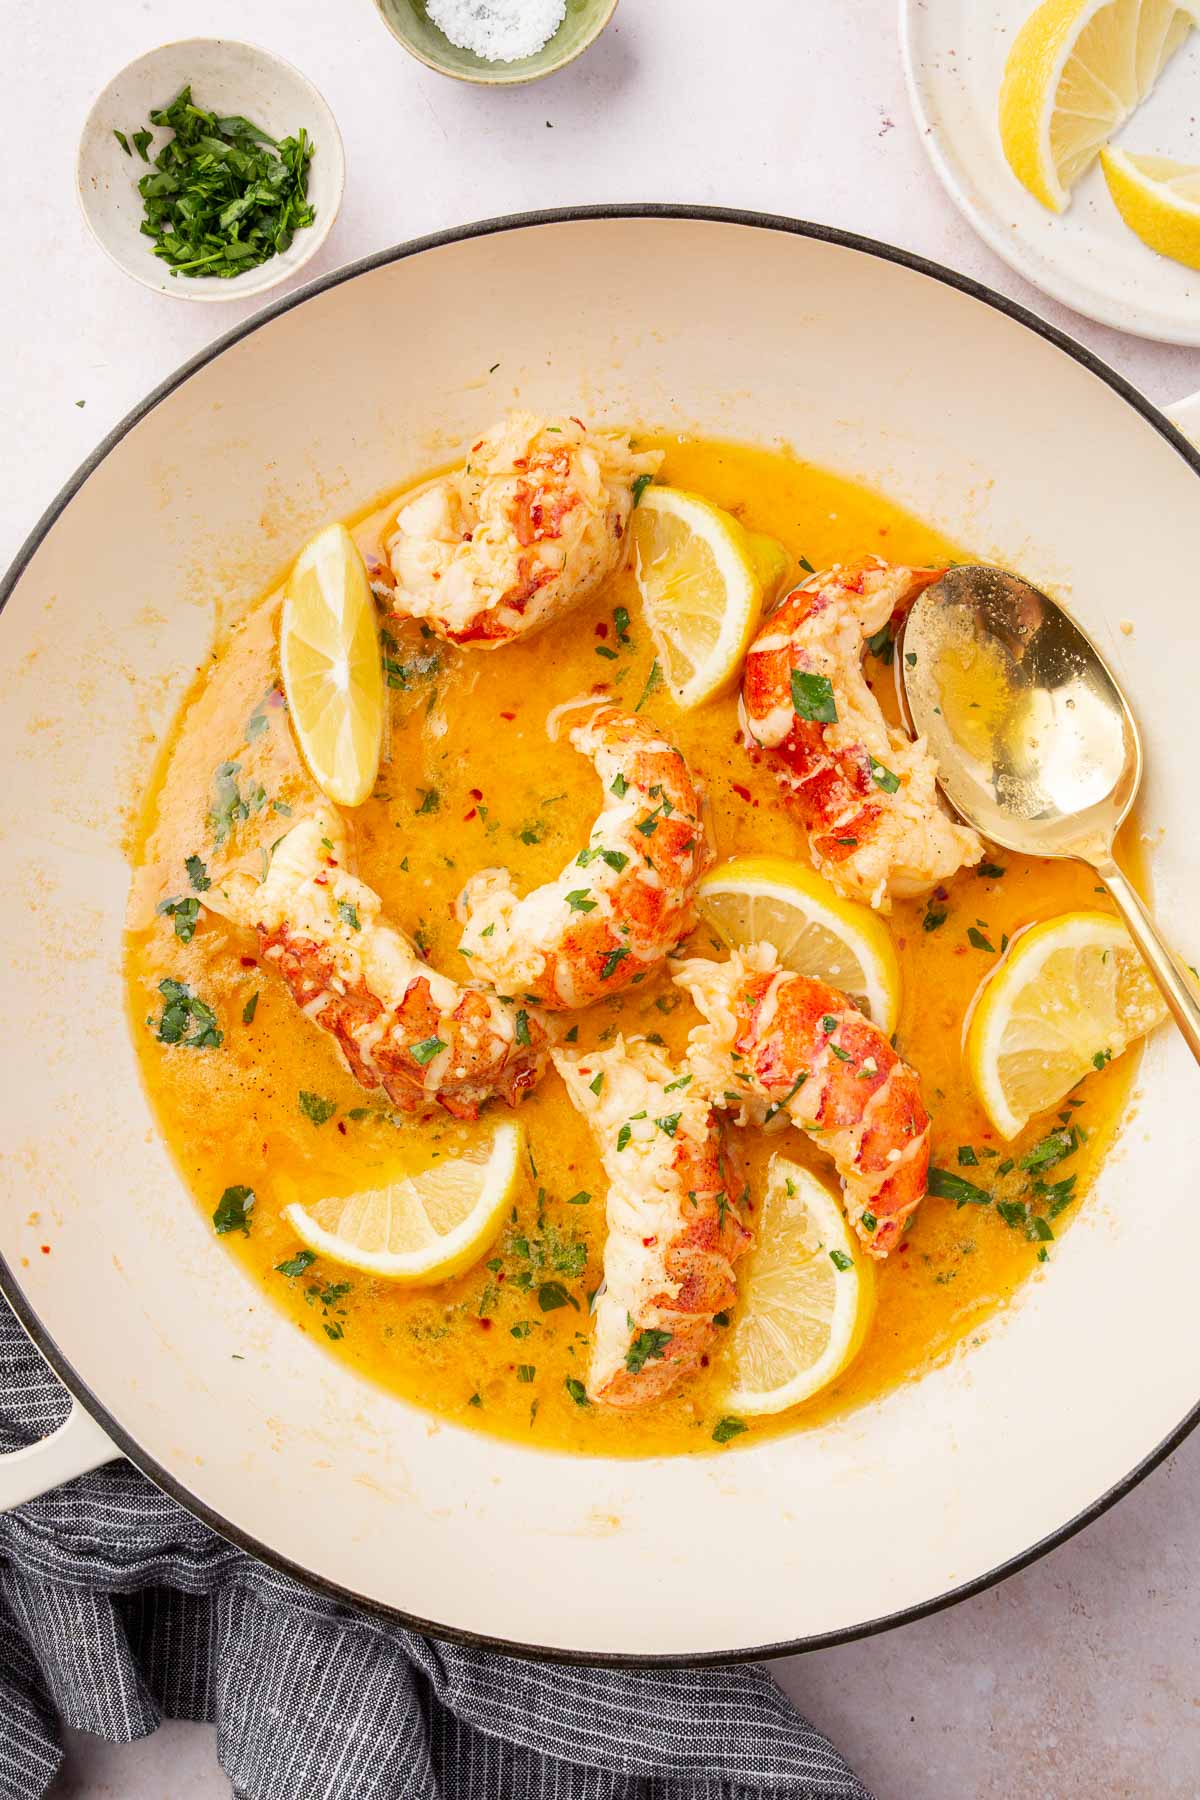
x: 1034, y: 742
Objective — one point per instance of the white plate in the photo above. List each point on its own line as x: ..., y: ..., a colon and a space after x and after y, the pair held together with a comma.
x: 954, y: 55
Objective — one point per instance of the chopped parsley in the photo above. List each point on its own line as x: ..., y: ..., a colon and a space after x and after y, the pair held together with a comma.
x: 945, y: 1185
x: 840, y: 1260
x: 977, y: 940
x: 616, y: 859
x: 186, y: 914
x: 296, y: 1265
x: 186, y: 1019
x: 640, y: 484
x: 620, y: 787
x: 777, y: 1106
x: 521, y: 1032
x: 882, y: 777
x: 669, y: 1125
x: 624, y: 1136
x: 431, y: 799
x: 250, y: 1008
x: 348, y: 914
x: 197, y: 874
x: 572, y: 1383
x: 647, y: 1346
x: 727, y: 1428
x: 812, y: 698
x: 612, y: 962
x: 991, y: 871
x: 233, y: 1211
x: 314, y: 1107
x: 1051, y: 1150
x: 222, y: 195
x: 579, y: 1199
x: 552, y: 1294
x: 526, y: 1371
x: 228, y: 805
x: 654, y: 681
x: 933, y: 919
x: 426, y: 1050
x: 580, y: 900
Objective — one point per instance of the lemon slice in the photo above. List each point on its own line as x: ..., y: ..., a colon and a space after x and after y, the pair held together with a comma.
x: 808, y: 1296
x: 1069, y: 996
x: 1159, y: 200
x: 815, y: 931
x: 698, y: 574
x: 332, y: 674
x: 1076, y: 71
x: 423, y: 1228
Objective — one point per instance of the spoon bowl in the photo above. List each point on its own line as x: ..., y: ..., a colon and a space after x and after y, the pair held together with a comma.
x: 1035, y: 743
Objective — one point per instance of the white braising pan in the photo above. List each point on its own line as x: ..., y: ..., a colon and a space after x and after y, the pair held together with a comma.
x: 958, y: 404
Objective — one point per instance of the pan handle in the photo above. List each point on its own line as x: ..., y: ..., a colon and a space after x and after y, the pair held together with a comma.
x: 77, y: 1446
x: 1185, y: 414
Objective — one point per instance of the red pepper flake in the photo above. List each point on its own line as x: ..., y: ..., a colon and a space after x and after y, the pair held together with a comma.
x: 649, y: 1243
x: 476, y: 793
x: 478, y: 446
x: 743, y: 793
x: 248, y: 962
x: 45, y: 1249
x: 704, y: 1362
x: 500, y: 1276
x: 468, y: 816
x: 601, y: 629
x: 578, y: 422
x: 505, y: 715
x: 342, y: 1126
x: 484, y: 1324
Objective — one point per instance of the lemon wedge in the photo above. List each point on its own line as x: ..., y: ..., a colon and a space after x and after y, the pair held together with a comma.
x: 808, y: 1296
x: 423, y: 1228
x: 1159, y: 200
x: 332, y: 674
x: 698, y: 573
x: 1069, y: 996
x: 1076, y: 71
x: 783, y: 902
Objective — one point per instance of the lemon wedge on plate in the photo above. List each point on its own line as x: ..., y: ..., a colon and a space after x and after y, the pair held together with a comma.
x: 332, y: 673
x: 808, y: 1295
x: 783, y: 902
x: 1159, y: 200
x: 1076, y: 71
x: 701, y: 577
x: 423, y: 1228
x: 1069, y: 996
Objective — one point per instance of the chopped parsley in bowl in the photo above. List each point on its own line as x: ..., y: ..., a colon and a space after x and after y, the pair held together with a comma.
x: 209, y: 169
x: 222, y: 195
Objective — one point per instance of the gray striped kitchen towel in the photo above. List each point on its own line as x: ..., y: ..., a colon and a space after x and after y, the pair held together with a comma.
x: 118, y: 1609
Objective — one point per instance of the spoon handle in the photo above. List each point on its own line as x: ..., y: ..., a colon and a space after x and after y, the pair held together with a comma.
x: 1178, y: 992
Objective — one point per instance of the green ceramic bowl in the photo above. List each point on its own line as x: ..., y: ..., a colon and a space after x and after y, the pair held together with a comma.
x: 408, y: 21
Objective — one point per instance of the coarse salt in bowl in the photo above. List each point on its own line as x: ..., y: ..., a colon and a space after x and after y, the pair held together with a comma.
x: 497, y: 43
x: 498, y: 30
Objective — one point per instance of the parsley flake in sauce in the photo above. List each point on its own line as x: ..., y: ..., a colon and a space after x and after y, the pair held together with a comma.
x: 186, y: 1019
x: 233, y: 1211
x: 647, y: 1346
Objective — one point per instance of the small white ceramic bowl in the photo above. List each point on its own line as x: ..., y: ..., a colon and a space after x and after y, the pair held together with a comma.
x: 226, y: 77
